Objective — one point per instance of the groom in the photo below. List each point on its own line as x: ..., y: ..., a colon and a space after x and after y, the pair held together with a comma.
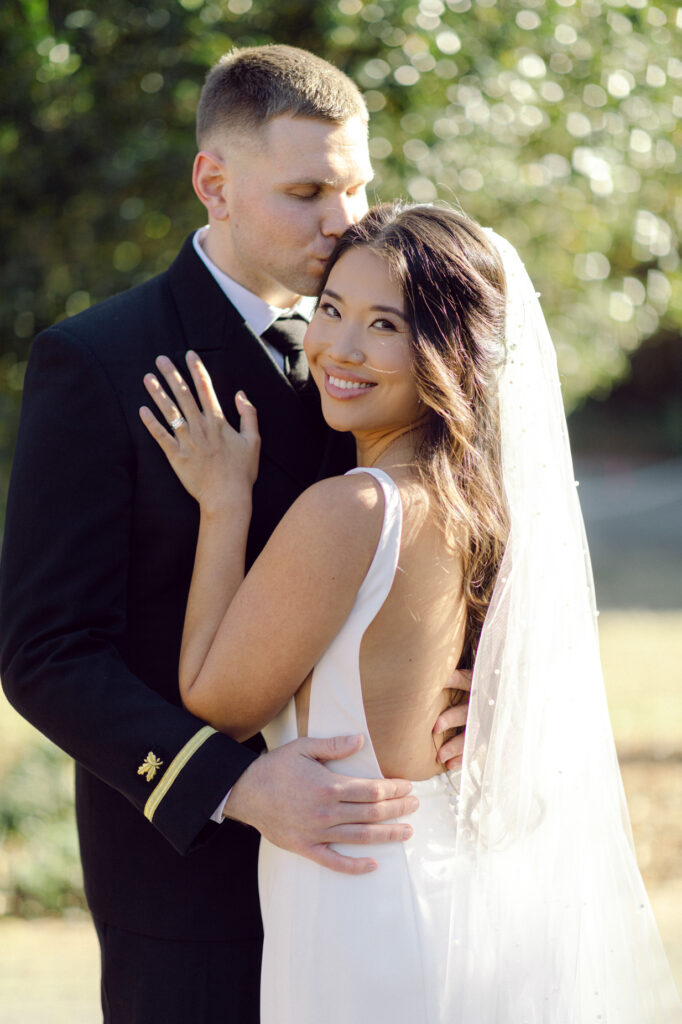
x: 100, y: 540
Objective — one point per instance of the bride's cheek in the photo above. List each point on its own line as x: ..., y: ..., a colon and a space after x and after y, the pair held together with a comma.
x: 311, y: 350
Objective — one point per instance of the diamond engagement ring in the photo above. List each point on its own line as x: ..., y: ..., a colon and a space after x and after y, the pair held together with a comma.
x: 177, y: 422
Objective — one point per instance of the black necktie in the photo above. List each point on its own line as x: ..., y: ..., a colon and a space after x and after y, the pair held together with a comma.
x: 286, y: 335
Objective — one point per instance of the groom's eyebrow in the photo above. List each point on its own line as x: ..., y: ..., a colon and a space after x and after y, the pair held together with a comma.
x: 325, y: 182
x: 316, y: 182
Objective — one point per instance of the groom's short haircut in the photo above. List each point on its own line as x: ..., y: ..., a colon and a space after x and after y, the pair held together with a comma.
x: 249, y: 87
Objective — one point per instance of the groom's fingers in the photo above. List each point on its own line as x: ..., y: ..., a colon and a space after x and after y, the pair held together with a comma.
x: 450, y: 754
x: 452, y: 718
x: 299, y: 804
x: 371, y: 791
x: 336, y: 861
x: 364, y: 814
x: 460, y: 679
x: 390, y: 832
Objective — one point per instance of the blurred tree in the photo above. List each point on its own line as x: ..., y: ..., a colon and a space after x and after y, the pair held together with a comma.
x: 556, y: 121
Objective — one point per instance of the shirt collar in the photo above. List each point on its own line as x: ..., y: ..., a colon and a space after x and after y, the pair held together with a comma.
x: 258, y: 314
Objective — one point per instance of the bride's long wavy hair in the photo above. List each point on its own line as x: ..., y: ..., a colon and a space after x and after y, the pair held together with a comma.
x: 453, y: 285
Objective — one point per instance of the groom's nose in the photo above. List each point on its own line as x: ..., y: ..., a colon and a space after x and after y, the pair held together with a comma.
x: 342, y: 210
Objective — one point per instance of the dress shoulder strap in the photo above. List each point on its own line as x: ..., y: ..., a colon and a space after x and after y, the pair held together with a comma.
x: 379, y: 579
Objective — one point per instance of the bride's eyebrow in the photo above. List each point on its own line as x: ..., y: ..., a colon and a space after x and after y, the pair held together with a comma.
x: 376, y: 309
x: 389, y: 309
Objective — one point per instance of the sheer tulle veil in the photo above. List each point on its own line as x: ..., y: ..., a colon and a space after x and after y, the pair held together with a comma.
x: 552, y: 924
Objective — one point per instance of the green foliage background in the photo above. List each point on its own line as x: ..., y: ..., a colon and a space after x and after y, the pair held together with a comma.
x: 556, y: 121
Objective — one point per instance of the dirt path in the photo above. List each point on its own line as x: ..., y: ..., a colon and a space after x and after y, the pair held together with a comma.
x: 49, y: 972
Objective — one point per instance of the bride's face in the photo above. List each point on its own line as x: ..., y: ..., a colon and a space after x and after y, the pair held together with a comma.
x: 358, y: 348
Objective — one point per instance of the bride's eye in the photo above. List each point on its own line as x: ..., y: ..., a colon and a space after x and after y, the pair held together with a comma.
x: 329, y: 310
x: 384, y: 325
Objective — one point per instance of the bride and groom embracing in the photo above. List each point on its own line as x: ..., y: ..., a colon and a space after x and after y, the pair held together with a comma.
x: 512, y: 894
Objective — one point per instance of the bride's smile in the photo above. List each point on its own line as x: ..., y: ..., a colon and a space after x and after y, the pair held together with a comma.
x: 336, y: 381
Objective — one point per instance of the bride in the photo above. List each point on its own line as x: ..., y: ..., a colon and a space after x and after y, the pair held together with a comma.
x: 457, y: 540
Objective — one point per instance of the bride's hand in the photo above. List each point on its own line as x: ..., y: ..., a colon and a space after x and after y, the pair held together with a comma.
x: 215, y: 463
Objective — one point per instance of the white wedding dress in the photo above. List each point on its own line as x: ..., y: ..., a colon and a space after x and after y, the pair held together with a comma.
x: 342, y: 949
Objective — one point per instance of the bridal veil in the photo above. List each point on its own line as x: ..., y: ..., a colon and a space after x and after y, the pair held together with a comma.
x: 552, y: 924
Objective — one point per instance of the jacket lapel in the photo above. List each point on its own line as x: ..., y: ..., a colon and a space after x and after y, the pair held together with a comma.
x: 291, y: 426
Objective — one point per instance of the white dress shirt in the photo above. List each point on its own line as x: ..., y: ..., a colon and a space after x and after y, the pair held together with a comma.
x: 259, y: 315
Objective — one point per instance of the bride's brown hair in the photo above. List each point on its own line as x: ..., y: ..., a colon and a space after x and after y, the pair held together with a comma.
x: 453, y: 284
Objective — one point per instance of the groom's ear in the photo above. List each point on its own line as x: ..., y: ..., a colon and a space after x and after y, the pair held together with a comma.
x: 209, y: 178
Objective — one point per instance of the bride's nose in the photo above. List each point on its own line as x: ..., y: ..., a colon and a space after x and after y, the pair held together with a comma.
x: 346, y: 346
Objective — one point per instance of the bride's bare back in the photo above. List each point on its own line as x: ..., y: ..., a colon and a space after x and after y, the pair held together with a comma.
x: 412, y: 646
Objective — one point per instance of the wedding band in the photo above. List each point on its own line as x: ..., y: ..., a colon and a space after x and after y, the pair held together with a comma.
x: 177, y: 422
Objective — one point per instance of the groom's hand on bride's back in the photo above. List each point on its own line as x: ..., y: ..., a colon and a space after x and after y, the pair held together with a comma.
x: 448, y: 732
x: 297, y: 803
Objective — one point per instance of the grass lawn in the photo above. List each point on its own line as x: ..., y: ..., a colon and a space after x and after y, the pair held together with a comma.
x: 642, y: 659
x: 49, y: 966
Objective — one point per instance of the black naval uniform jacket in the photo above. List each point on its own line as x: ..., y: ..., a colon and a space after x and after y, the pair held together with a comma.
x: 97, y: 559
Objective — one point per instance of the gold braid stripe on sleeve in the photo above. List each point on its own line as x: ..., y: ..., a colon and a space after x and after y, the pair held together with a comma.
x: 174, y: 768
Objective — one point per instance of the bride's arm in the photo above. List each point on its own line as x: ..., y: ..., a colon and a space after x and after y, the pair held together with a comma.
x: 218, y: 572
x: 246, y: 648
x: 289, y: 608
x: 218, y: 466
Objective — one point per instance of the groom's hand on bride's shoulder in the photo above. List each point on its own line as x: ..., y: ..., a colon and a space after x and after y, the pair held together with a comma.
x: 297, y: 803
x: 448, y: 732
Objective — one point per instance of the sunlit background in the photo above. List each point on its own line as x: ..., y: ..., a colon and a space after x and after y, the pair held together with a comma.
x: 558, y: 122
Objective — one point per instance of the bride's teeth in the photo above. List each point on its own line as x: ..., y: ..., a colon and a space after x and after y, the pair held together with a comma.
x: 338, y: 382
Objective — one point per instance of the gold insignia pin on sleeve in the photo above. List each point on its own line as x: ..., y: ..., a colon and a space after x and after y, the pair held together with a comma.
x: 150, y: 766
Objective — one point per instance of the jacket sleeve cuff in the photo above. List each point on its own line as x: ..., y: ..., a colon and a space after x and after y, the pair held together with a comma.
x: 181, y: 804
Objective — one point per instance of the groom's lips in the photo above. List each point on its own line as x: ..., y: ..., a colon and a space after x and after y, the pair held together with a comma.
x: 322, y: 257
x: 320, y: 265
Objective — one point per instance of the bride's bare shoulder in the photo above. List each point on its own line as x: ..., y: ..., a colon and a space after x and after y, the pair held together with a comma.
x: 356, y: 502
x: 357, y: 497
x: 355, y: 492
x: 345, y: 512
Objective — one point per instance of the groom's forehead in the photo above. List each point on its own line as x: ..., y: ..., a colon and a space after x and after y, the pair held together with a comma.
x: 311, y: 150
